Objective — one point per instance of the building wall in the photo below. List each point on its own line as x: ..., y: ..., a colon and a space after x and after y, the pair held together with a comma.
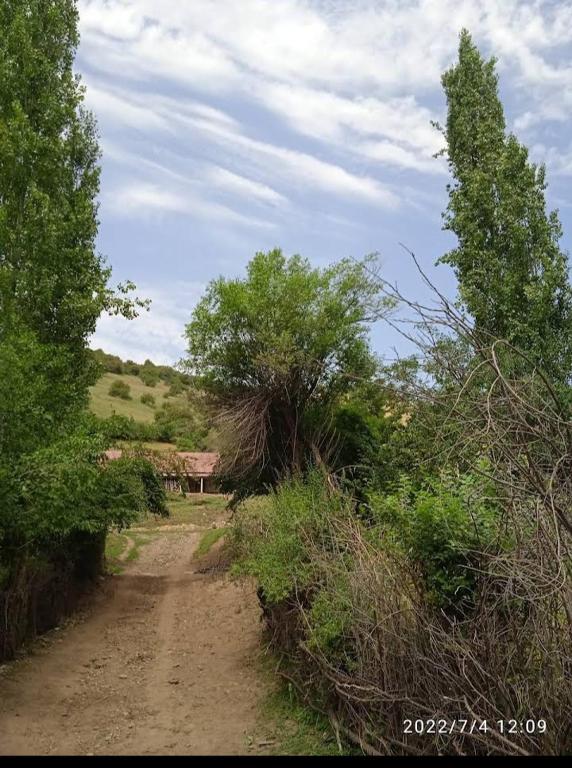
x: 190, y: 484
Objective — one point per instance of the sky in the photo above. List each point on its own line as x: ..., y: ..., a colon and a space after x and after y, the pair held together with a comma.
x: 228, y: 128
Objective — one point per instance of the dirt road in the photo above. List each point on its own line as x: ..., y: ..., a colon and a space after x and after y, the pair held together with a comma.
x: 165, y: 662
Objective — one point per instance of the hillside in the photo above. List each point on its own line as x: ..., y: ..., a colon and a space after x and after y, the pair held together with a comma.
x: 172, y: 416
x: 104, y: 405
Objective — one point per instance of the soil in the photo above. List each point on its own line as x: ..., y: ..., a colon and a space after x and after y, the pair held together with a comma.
x: 164, y: 661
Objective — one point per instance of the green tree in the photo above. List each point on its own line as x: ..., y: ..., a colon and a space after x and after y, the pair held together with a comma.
x: 149, y: 374
x: 276, y: 351
x: 513, y: 276
x: 182, y: 423
x: 53, y: 285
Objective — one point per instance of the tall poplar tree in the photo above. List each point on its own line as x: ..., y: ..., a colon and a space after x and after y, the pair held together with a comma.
x: 55, y: 496
x: 53, y: 283
x: 512, y: 273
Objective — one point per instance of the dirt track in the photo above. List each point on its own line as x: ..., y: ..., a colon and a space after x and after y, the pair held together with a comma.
x: 165, y: 662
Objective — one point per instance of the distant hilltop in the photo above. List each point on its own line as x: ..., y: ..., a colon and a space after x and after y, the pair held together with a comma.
x: 148, y: 372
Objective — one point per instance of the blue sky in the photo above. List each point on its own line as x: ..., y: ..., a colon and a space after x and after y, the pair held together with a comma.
x: 233, y: 127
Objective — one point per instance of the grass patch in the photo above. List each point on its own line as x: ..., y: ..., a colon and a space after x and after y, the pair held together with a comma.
x: 208, y: 540
x: 292, y: 728
x: 121, y: 548
x: 104, y: 405
x: 199, y: 509
x: 139, y: 540
x: 115, y: 546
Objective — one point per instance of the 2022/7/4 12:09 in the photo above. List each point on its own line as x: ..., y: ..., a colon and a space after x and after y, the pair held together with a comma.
x: 505, y: 727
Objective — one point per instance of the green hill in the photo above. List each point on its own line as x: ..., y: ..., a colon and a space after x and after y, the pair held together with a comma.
x: 104, y: 405
x: 173, y: 414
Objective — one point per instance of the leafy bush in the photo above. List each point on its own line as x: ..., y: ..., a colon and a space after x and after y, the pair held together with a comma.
x: 148, y: 399
x: 177, y: 387
x: 65, y: 488
x: 120, y: 389
x: 444, y: 528
x: 149, y: 374
x: 181, y: 423
x: 131, y: 368
x: 109, y: 363
x: 345, y: 601
x: 271, y: 534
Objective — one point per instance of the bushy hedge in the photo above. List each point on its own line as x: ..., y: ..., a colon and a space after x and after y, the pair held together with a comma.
x: 56, y: 506
x: 406, y: 611
x: 148, y: 399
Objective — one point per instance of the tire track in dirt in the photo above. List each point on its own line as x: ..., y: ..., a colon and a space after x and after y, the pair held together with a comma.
x: 165, y: 662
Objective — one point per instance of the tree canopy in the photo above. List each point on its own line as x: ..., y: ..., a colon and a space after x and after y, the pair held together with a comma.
x: 276, y: 350
x: 513, y: 276
x: 53, y: 287
x: 53, y: 283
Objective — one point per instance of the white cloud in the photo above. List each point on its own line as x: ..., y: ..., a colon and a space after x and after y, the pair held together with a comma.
x: 106, y: 103
x: 401, y: 126
x: 392, y: 46
x: 260, y: 113
x: 248, y: 188
x: 297, y: 168
x: 342, y: 73
x: 157, y: 334
x: 293, y: 168
x: 140, y: 198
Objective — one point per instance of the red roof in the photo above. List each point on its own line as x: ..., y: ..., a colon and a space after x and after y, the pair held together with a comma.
x: 198, y: 464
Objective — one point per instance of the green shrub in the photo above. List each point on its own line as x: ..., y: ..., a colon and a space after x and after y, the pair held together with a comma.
x: 148, y: 399
x: 181, y: 423
x: 331, y: 614
x: 120, y: 389
x: 65, y: 489
x: 288, y: 541
x: 109, y: 363
x: 149, y: 374
x: 131, y: 368
x: 177, y: 387
x: 444, y: 528
x: 274, y: 535
x: 118, y: 427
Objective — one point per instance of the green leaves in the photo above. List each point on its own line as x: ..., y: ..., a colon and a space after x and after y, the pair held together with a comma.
x: 287, y: 341
x: 513, y: 277
x: 445, y: 528
x: 285, y: 315
x: 53, y: 287
x: 65, y: 488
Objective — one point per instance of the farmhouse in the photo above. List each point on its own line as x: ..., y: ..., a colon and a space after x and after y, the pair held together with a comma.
x: 182, y: 470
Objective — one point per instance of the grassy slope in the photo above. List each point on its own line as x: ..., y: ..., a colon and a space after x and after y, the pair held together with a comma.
x: 102, y: 404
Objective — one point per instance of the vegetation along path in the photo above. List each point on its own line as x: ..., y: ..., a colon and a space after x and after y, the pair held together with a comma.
x: 164, y: 661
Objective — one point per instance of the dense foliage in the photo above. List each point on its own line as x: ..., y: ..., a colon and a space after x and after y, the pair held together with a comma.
x: 53, y: 287
x: 513, y: 276
x: 147, y: 371
x: 120, y: 389
x: 277, y: 351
